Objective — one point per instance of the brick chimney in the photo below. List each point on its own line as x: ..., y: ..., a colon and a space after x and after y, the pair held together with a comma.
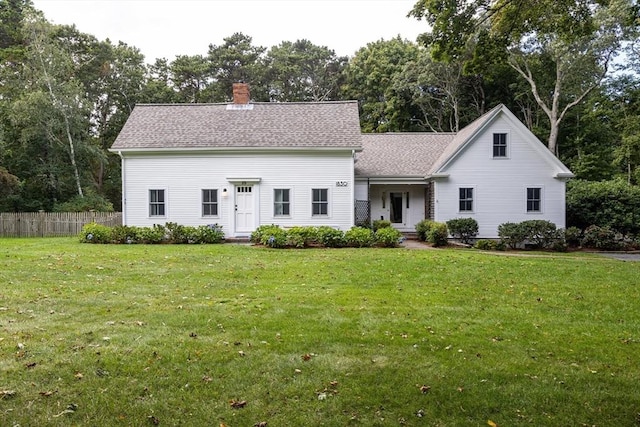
x: 241, y: 93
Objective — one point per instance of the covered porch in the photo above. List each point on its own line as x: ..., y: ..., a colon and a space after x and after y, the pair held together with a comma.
x: 404, y: 203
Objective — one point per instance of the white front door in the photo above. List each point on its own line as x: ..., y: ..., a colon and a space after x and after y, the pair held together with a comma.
x: 245, y: 207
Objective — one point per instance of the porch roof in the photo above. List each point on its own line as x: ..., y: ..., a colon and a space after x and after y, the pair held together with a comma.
x: 400, y: 154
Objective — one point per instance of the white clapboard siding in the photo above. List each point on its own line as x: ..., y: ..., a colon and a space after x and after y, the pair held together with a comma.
x: 500, y: 184
x: 184, y: 176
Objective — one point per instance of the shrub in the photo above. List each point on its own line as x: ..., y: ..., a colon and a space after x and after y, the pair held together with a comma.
x: 89, y: 202
x: 380, y: 223
x: 125, y: 234
x: 302, y: 236
x: 512, y: 234
x: 540, y: 233
x: 438, y: 234
x: 256, y: 236
x: 423, y: 228
x: 359, y: 237
x: 271, y: 235
x: 463, y: 229
x: 330, y: 237
x: 608, y: 204
x: 152, y: 235
x: 573, y: 236
x: 388, y: 237
x: 176, y: 233
x: 485, y: 245
x: 211, y: 233
x: 603, y: 238
x: 95, y: 233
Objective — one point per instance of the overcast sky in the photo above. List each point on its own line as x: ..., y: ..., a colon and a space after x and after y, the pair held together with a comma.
x: 166, y: 28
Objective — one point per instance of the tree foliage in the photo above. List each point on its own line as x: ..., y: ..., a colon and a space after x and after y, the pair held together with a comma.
x: 575, y: 40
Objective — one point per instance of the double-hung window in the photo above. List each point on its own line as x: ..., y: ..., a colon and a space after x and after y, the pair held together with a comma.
x: 281, y: 202
x: 534, y: 199
x: 466, y: 199
x: 320, y: 201
x: 157, y: 203
x: 499, y: 145
x: 209, y: 202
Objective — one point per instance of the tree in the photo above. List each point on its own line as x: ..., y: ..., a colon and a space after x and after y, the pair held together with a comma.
x: 190, y: 76
x: 301, y: 71
x: 53, y: 90
x: 369, y: 79
x: 234, y: 61
x: 575, y: 39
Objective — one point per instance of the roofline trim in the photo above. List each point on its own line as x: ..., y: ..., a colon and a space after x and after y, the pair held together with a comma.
x: 149, y: 150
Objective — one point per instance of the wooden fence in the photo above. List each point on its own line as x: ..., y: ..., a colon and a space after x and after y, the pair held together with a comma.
x: 52, y: 224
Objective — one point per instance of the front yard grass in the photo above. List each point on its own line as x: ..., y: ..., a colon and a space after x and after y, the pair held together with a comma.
x: 235, y: 335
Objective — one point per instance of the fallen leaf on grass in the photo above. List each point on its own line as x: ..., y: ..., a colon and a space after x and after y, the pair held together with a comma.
x: 306, y: 357
x: 78, y: 375
x: 236, y: 404
x: 425, y: 389
x: 46, y: 393
x: 31, y: 365
x: 491, y: 423
x: 207, y: 379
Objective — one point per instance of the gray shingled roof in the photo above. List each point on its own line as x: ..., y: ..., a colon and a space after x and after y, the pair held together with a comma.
x: 400, y: 154
x: 256, y: 125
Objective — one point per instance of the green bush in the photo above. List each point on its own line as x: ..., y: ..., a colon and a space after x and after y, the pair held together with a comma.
x: 208, y: 234
x: 302, y: 236
x: 380, y: 223
x: 95, y: 233
x: 388, y: 237
x: 256, y: 236
x: 359, y: 237
x: 463, y: 229
x: 330, y: 237
x: 273, y: 236
x: 438, y: 234
x: 125, y: 234
x: 603, y: 238
x: 176, y: 233
x: 608, y: 204
x: 540, y: 233
x: 573, y: 236
x: 152, y: 235
x: 89, y: 202
x: 423, y: 228
x: 512, y: 234
x: 486, y: 245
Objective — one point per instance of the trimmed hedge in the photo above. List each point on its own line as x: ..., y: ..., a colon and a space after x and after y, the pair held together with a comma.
x: 299, y: 237
x: 464, y: 229
x: 541, y: 234
x: 433, y: 232
x: 168, y: 233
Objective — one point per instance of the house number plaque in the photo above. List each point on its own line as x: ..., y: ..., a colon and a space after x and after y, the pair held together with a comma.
x: 342, y: 183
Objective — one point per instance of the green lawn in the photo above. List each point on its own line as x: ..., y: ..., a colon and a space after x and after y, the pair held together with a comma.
x: 234, y: 335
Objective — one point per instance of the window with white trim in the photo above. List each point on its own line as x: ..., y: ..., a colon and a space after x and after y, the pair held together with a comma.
x: 157, y: 203
x: 320, y: 201
x: 499, y: 145
x: 281, y: 202
x: 534, y: 199
x: 209, y: 202
x: 466, y: 199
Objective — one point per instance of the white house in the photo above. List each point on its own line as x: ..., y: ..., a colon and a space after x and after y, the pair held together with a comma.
x: 494, y: 170
x: 245, y: 164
